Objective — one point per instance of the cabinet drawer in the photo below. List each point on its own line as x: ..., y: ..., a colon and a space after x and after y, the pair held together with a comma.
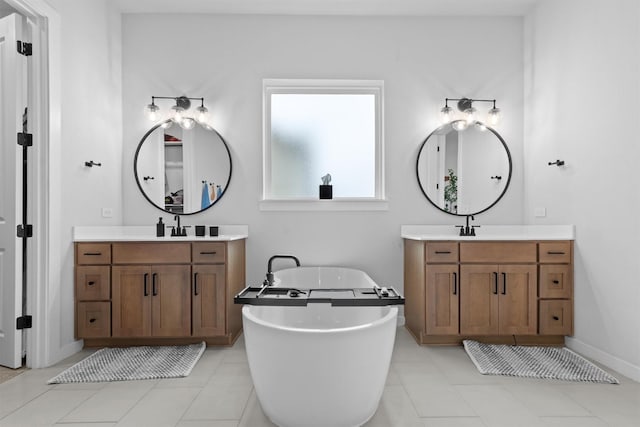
x: 556, y: 317
x: 498, y: 252
x: 555, y: 281
x: 151, y: 253
x: 558, y: 252
x: 93, y: 253
x: 441, y: 252
x: 93, y: 282
x: 94, y: 319
x: 209, y: 252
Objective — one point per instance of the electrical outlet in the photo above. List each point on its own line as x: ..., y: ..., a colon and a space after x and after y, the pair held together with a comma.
x: 107, y: 212
x: 540, y: 212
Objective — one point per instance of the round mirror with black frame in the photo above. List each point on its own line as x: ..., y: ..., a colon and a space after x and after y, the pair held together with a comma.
x: 182, y: 171
x: 464, y: 170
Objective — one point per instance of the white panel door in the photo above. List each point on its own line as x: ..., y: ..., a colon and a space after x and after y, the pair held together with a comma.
x: 12, y: 102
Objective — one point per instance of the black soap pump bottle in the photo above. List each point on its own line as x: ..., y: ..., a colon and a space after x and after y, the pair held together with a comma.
x: 160, y: 228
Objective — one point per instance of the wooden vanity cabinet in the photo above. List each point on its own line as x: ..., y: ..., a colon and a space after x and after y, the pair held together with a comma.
x: 161, y: 293
x: 495, y: 291
x: 93, y: 290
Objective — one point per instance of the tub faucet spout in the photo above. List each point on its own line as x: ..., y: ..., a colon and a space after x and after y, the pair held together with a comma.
x: 269, y: 280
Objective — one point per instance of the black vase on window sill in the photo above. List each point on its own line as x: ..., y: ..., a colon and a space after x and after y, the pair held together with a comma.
x: 326, y: 192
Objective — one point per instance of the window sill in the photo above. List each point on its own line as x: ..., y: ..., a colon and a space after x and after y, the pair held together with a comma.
x: 325, y: 205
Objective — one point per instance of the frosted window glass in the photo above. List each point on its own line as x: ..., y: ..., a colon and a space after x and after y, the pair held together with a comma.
x: 314, y: 134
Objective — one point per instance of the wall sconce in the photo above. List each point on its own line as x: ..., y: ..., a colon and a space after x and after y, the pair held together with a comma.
x: 465, y: 105
x: 179, y: 111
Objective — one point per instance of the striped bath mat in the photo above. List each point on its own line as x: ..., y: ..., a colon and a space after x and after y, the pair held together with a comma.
x: 133, y: 363
x: 558, y: 363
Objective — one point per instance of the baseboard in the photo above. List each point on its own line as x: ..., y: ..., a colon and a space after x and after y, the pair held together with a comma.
x: 610, y: 361
x: 64, y: 352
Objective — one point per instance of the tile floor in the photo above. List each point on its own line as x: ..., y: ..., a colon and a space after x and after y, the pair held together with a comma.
x: 426, y: 387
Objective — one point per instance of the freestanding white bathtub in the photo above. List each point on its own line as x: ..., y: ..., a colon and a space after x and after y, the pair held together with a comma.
x: 319, y: 366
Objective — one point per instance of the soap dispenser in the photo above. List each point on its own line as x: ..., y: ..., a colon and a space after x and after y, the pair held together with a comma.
x: 160, y: 228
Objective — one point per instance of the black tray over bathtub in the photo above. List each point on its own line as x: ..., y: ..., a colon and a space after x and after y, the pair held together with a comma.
x: 295, y: 297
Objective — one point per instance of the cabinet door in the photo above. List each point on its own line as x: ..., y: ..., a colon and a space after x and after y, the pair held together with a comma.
x: 171, y: 301
x: 442, y: 291
x: 130, y: 301
x: 209, y: 300
x: 517, y: 295
x: 479, y: 299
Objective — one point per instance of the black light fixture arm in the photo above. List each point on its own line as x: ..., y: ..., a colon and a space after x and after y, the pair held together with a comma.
x: 181, y: 101
x: 91, y: 164
x: 464, y: 103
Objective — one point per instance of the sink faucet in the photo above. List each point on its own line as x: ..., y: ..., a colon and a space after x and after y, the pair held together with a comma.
x: 177, y: 231
x: 269, y: 280
x: 468, y: 230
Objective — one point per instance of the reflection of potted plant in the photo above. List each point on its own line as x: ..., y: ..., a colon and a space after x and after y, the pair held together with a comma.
x: 451, y: 192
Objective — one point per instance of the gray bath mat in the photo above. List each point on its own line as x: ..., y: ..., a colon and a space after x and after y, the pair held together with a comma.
x: 133, y: 363
x: 558, y: 363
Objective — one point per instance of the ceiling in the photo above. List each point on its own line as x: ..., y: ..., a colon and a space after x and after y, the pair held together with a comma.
x: 332, y: 7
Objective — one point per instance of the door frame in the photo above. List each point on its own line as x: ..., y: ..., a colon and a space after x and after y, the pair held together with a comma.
x: 44, y: 249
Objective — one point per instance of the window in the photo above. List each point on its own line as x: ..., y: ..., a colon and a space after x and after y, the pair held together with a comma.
x: 317, y: 127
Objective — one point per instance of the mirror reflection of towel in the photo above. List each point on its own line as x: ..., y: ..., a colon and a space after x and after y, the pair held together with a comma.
x: 205, y: 196
x: 212, y: 193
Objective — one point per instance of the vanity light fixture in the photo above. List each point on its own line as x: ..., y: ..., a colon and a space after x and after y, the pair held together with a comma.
x: 179, y: 111
x: 465, y: 105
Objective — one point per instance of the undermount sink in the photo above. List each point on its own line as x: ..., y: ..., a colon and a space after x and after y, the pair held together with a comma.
x: 489, y: 232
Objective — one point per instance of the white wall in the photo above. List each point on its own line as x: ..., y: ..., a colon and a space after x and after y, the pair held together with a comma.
x: 582, y: 85
x: 421, y: 60
x: 91, y: 130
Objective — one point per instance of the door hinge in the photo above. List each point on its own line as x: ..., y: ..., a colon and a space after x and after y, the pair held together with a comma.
x: 24, y: 322
x: 25, y: 48
x: 25, y: 230
x: 25, y: 139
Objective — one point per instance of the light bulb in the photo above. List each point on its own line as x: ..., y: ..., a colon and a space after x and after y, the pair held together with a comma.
x: 459, y: 125
x: 470, y: 114
x: 187, y: 123
x: 202, y: 114
x: 446, y: 114
x: 494, y: 116
x: 151, y: 111
x: 481, y: 126
x: 178, y: 113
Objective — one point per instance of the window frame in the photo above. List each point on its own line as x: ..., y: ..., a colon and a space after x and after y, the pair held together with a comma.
x: 323, y: 86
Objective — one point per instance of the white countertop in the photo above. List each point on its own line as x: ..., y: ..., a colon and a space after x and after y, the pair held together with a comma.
x: 489, y: 232
x: 132, y: 233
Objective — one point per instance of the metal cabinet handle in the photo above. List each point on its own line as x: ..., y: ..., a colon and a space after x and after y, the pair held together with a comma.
x: 153, y: 285
x: 92, y: 253
x: 556, y: 318
x: 146, y: 284
x: 555, y: 282
x: 195, y: 284
x: 443, y: 252
x: 455, y: 283
x: 504, y: 283
x: 91, y: 283
x: 495, y: 283
x: 208, y: 253
x: 555, y: 252
x: 92, y: 320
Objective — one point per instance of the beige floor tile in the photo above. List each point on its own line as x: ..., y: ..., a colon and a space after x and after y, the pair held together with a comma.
x: 253, y: 416
x: 395, y: 409
x: 453, y: 422
x: 111, y: 403
x: 573, y: 422
x: 46, y: 409
x: 497, y: 406
x: 438, y: 400
x: 545, y: 399
x: 160, y: 408
x: 219, y: 402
